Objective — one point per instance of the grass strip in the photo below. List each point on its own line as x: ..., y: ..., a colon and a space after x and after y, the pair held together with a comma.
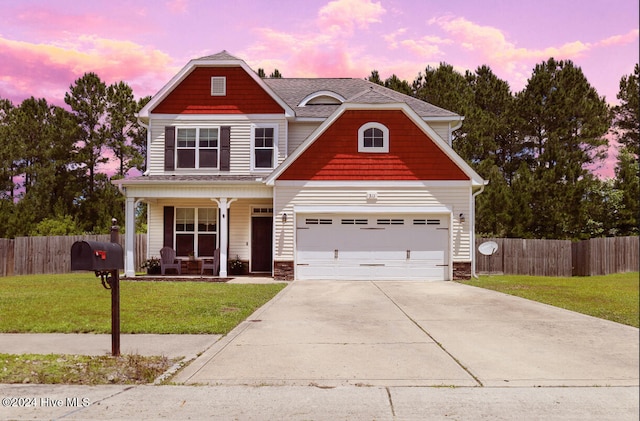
x: 82, y: 369
x: 613, y: 297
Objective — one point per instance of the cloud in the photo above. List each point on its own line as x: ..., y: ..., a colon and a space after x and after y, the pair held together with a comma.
x: 326, y: 52
x: 391, y: 38
x: 178, y: 6
x: 627, y: 38
x: 344, y: 15
x: 47, y: 70
x: 489, y: 45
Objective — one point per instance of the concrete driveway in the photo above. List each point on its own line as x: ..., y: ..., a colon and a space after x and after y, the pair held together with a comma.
x: 331, y: 333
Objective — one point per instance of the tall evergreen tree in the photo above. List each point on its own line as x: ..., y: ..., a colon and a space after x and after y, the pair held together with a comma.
x: 88, y: 101
x: 627, y: 182
x: 121, y: 126
x: 8, y: 154
x: 626, y: 120
x: 565, y: 123
x: 138, y: 138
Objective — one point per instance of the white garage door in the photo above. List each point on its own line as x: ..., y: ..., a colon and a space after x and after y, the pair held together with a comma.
x: 393, y: 247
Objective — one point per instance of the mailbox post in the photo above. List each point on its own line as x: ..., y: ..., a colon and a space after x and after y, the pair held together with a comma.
x: 115, y: 297
x: 105, y: 259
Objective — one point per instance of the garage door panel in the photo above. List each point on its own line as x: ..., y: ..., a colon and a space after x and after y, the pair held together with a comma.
x: 372, y: 247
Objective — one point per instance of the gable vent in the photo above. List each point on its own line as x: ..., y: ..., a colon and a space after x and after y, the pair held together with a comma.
x: 218, y: 86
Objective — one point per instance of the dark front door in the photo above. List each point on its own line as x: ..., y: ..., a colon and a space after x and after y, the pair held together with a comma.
x: 261, y: 243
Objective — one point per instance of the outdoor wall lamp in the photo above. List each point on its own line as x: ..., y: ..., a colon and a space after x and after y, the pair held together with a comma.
x: 284, y: 218
x: 462, y: 218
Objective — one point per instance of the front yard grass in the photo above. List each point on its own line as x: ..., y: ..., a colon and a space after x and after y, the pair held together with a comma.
x: 77, y: 303
x: 613, y: 297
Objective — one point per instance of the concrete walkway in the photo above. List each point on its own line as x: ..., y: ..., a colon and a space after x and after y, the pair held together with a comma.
x: 187, y: 346
x: 369, y: 350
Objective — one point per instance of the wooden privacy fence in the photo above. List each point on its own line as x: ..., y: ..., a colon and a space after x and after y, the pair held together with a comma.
x: 37, y: 255
x: 597, y: 256
x: 601, y: 256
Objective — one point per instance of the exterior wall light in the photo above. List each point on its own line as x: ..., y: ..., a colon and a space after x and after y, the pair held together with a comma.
x: 284, y: 218
x: 462, y: 218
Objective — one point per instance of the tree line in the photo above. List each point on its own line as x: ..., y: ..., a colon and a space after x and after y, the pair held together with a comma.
x: 52, y: 179
x: 538, y: 148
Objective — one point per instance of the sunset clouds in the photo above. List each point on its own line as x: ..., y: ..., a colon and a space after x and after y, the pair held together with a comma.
x: 45, y: 46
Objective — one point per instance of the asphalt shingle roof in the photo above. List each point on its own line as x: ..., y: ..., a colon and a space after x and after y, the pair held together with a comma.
x: 359, y: 91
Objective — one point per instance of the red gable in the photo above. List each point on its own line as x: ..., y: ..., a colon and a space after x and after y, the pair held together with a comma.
x: 193, y: 95
x: 412, y: 154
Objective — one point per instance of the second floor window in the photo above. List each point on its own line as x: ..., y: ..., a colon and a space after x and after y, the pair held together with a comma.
x: 263, y: 147
x: 197, y: 147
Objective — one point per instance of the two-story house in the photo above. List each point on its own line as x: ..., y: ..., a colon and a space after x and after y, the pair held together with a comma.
x: 303, y: 178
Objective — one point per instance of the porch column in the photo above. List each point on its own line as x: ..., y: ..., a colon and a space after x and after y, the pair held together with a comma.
x: 223, y: 205
x: 130, y: 235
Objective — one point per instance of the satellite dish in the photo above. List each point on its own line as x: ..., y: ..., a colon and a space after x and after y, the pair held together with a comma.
x: 488, y: 248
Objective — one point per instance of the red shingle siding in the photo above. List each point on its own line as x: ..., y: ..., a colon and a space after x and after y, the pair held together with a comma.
x: 412, y: 154
x: 193, y: 95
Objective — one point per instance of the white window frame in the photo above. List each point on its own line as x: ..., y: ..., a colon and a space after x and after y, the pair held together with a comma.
x: 218, y: 86
x: 196, y: 232
x: 197, y: 148
x: 370, y: 149
x: 274, y: 158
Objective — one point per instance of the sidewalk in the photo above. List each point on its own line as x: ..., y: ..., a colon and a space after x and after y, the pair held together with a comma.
x: 188, y: 346
x: 63, y: 402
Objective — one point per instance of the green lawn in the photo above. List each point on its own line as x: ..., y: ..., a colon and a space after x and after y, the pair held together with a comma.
x: 77, y: 303
x: 612, y: 297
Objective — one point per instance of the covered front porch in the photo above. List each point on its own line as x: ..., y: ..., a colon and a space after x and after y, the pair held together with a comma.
x: 196, y: 218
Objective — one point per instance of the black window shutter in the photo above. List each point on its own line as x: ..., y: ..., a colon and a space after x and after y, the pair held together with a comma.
x: 225, y: 148
x: 167, y: 239
x: 169, y: 148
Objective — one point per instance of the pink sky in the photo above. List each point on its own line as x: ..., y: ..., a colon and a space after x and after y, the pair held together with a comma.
x: 47, y: 44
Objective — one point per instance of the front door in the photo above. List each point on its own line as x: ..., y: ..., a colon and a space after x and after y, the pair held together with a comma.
x: 261, y: 243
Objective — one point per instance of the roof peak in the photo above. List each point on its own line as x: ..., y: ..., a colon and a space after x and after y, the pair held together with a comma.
x: 222, y: 55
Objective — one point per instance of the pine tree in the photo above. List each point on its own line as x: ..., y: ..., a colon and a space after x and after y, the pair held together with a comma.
x: 565, y: 123
x: 626, y: 121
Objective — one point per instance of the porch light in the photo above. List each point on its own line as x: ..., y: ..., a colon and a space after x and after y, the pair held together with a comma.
x: 462, y: 218
x: 284, y: 218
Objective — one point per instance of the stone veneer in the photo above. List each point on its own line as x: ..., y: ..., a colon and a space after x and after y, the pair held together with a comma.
x: 461, y: 270
x: 283, y: 271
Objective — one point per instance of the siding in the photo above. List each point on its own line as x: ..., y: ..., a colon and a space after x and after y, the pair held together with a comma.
x: 412, y: 155
x: 243, y: 95
x: 456, y: 198
x: 442, y: 129
x: 299, y: 132
x: 240, y: 142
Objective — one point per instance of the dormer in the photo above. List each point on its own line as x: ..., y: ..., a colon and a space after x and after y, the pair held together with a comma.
x: 322, y: 98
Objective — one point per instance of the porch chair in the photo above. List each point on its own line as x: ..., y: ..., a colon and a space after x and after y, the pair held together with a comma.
x: 213, y: 264
x: 168, y: 260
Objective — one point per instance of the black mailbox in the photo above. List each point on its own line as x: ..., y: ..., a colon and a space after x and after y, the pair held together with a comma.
x: 96, y: 256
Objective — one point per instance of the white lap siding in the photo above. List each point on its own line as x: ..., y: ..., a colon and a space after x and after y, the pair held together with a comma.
x: 240, y: 147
